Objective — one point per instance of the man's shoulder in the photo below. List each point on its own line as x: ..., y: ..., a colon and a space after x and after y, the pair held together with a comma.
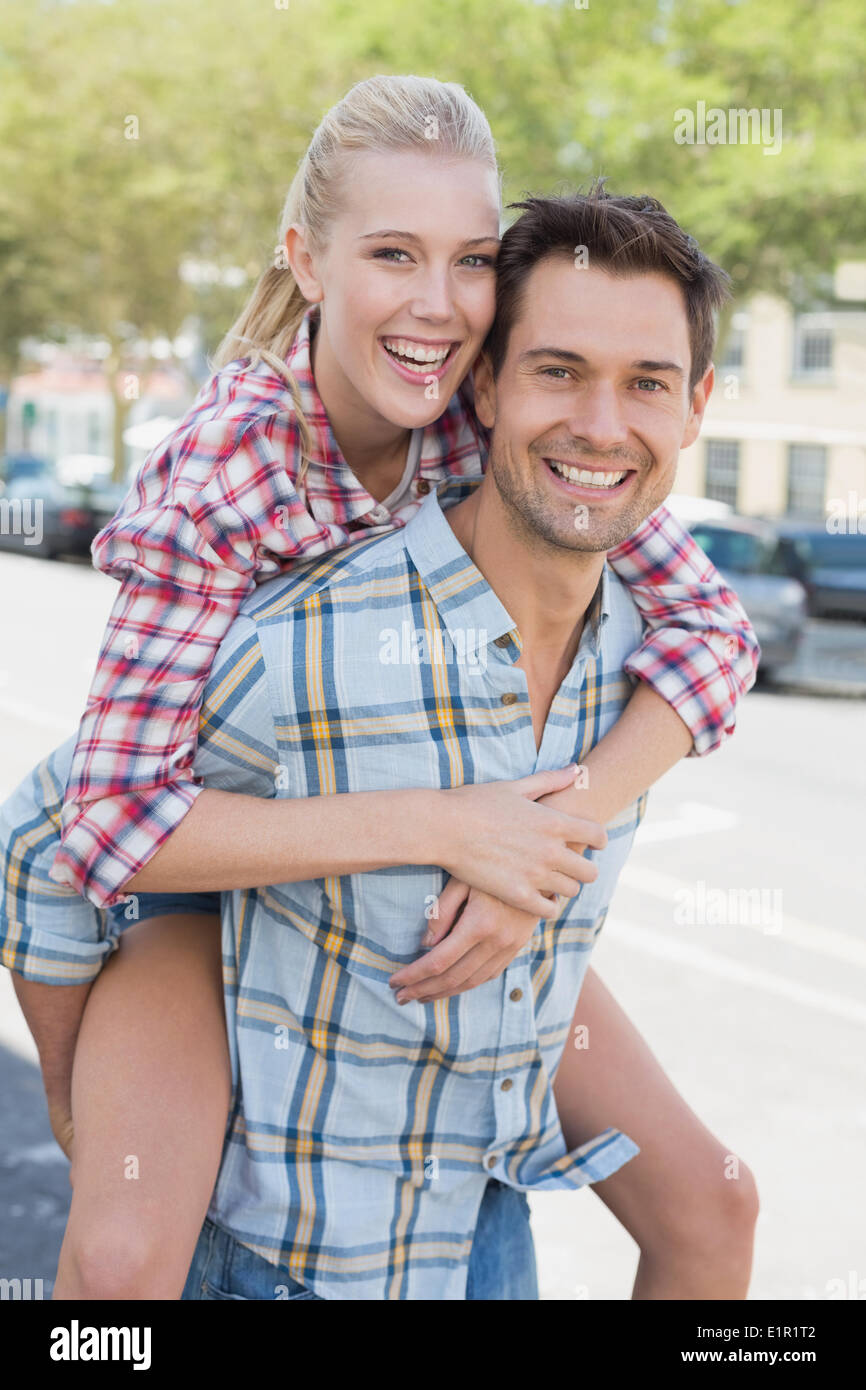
x: 626, y: 622
x: 362, y: 563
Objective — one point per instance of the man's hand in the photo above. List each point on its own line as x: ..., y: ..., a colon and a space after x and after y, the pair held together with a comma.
x: 60, y: 1115
x: 485, y: 940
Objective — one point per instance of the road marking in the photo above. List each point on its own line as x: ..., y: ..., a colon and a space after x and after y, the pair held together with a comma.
x: 808, y: 936
x: 691, y: 818
x: 663, y: 947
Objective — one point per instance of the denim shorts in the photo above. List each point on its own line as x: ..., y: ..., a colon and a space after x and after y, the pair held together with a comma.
x: 501, y: 1261
x: 158, y: 905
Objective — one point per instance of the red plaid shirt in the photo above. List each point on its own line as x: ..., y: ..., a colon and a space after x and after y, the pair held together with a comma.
x: 216, y: 509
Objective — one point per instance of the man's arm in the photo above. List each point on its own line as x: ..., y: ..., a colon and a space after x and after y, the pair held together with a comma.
x: 54, y: 1016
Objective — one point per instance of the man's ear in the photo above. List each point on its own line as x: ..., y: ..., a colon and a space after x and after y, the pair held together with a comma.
x: 485, y: 390
x: 700, y: 396
x: 302, y: 265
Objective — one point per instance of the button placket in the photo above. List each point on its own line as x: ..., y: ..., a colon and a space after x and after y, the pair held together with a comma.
x: 516, y: 1029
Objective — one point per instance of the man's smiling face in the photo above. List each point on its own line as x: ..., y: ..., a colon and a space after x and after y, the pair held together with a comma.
x: 592, y: 404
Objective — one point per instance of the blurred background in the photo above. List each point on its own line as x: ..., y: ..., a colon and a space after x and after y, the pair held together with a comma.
x: 145, y: 150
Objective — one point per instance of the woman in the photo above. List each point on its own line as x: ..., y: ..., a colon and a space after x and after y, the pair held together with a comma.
x: 323, y: 419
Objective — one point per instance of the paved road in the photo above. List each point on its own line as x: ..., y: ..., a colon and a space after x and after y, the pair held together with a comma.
x: 762, y: 1027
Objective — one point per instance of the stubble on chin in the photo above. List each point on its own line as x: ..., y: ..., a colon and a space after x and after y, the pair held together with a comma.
x: 538, y: 527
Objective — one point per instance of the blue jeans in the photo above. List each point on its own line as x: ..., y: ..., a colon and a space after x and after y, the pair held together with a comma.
x: 501, y: 1262
x: 160, y: 905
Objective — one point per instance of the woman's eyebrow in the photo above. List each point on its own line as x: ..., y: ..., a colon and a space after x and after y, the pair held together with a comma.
x: 410, y: 236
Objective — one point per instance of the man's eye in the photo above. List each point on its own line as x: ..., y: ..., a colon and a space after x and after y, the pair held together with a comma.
x: 650, y: 381
x: 547, y: 371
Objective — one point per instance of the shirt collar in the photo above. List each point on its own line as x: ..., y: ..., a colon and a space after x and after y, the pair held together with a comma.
x: 325, y: 449
x: 465, y: 601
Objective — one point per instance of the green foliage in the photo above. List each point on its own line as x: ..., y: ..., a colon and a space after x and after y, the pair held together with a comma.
x: 94, y: 226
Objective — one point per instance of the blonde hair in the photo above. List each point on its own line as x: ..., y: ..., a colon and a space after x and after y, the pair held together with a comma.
x: 380, y: 113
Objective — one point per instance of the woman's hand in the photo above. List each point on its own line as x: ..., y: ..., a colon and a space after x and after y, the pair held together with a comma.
x: 501, y: 842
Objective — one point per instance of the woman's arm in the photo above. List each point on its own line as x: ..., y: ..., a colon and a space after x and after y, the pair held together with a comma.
x: 698, y: 659
x: 648, y: 738
x: 212, y: 512
x: 700, y: 653
x: 490, y: 835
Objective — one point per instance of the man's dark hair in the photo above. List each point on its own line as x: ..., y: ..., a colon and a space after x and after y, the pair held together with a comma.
x: 623, y: 236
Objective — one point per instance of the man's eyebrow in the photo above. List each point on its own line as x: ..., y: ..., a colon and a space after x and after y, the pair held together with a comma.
x: 648, y: 366
x: 644, y: 365
x: 410, y: 236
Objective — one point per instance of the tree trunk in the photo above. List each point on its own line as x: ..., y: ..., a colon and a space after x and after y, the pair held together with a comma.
x: 121, y: 412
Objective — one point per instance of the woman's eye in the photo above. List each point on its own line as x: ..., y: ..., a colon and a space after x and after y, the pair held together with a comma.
x: 387, y: 252
x: 480, y: 262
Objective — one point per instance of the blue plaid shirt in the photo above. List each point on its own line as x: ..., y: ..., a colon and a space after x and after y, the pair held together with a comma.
x: 362, y: 1133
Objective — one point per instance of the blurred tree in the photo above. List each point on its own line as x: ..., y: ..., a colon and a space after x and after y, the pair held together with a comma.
x: 139, y: 139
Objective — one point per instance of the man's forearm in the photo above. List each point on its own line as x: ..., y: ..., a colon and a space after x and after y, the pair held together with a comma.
x: 647, y: 740
x: 230, y: 840
x: 53, y: 1014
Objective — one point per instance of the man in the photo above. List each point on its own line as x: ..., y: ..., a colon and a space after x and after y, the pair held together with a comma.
x: 366, y: 1136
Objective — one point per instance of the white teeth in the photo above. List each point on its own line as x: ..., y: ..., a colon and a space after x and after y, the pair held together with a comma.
x: 413, y: 353
x: 587, y: 477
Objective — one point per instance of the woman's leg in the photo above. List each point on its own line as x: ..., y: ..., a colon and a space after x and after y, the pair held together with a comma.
x: 150, y: 1093
x: 693, y: 1221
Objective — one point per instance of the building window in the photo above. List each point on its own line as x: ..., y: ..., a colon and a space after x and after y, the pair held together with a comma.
x: 807, y: 481
x: 734, y: 355
x: 723, y: 470
x: 813, y: 347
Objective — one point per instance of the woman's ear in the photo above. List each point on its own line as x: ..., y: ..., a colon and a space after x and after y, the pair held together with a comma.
x: 484, y: 386
x: 302, y: 265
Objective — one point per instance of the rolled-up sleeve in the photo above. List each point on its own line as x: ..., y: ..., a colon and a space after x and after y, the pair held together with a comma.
x: 700, y: 652
x: 48, y: 933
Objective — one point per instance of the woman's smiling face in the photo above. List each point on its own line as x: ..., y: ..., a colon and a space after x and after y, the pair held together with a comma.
x: 407, y: 282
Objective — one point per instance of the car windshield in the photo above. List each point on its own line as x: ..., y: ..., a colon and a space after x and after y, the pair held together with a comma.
x: 829, y: 551
x: 741, y: 551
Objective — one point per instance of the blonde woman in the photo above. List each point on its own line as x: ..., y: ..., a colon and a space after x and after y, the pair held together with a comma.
x: 341, y: 395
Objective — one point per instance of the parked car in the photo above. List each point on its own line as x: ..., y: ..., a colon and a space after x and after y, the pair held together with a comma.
x: 22, y: 465
x: 831, y: 567
x: 39, y: 515
x: 747, y: 553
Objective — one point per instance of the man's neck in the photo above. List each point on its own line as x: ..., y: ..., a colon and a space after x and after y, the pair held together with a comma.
x: 547, y: 589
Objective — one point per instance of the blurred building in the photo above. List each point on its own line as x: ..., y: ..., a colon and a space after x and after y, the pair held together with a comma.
x: 65, y: 409
x: 785, y: 429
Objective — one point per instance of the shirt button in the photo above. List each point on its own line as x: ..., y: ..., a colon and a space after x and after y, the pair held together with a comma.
x: 492, y: 1160
x: 501, y: 641
x: 507, y: 1084
x: 379, y: 514
x: 515, y: 995
x: 422, y: 487
x: 509, y: 698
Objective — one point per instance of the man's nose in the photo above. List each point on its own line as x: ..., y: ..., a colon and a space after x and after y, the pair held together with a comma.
x: 598, y: 417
